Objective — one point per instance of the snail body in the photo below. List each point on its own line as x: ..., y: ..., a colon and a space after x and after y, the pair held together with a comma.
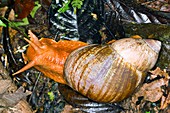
x: 103, y: 73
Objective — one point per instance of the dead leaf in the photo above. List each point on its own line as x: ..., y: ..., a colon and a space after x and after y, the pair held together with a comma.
x: 70, y: 109
x: 13, y: 98
x: 4, y: 85
x: 153, y: 91
x: 165, y: 101
x: 21, y: 107
x: 23, y: 8
x: 67, y: 109
x: 158, y: 72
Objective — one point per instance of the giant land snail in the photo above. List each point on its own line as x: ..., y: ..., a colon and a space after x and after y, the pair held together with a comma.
x: 103, y: 73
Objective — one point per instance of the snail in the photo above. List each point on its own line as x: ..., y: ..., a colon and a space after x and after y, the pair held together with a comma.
x: 103, y: 73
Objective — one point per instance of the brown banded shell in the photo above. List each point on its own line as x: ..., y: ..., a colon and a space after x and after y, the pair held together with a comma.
x: 110, y: 73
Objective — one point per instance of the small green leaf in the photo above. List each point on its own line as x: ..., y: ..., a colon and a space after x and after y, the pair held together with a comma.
x: 2, y: 24
x: 51, y: 95
x: 34, y: 10
x: 147, y: 112
x: 77, y: 3
x: 65, y: 7
x: 17, y: 24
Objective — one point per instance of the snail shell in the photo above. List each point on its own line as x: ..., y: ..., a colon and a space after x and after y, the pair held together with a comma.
x: 110, y: 73
x: 103, y: 73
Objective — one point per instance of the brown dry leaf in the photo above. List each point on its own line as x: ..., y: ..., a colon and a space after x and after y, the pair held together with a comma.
x: 13, y: 98
x: 159, y: 72
x: 23, y: 7
x: 153, y: 91
x: 159, y: 5
x: 21, y: 107
x: 153, y: 95
x: 111, y: 41
x: 155, y: 72
x: 11, y: 15
x: 70, y: 109
x: 165, y: 101
x: 4, y: 85
x: 12, y: 32
x: 67, y: 109
x: 136, y: 37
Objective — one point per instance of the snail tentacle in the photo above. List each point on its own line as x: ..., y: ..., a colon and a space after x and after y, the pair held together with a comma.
x: 29, y: 65
x: 34, y: 39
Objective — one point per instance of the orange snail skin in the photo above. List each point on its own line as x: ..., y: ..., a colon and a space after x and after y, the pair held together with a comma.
x: 48, y: 56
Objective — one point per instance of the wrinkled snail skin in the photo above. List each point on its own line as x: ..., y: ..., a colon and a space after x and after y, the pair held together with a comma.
x: 48, y: 56
x: 103, y: 73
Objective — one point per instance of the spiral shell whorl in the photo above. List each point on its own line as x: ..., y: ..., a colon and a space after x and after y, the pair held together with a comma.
x: 109, y: 73
x: 138, y: 52
x: 99, y: 73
